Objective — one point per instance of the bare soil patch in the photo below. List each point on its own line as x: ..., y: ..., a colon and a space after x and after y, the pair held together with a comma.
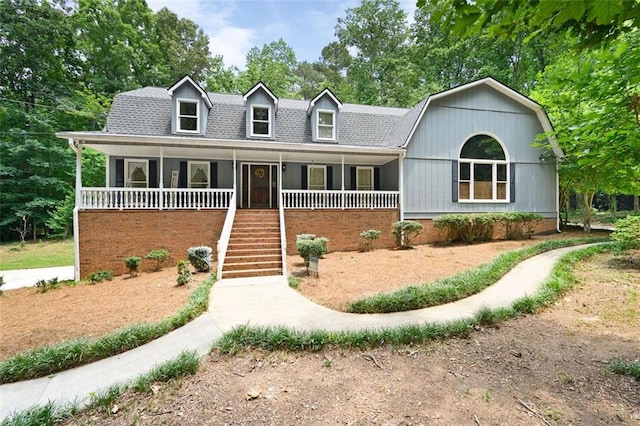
x: 31, y: 319
x: 544, y: 369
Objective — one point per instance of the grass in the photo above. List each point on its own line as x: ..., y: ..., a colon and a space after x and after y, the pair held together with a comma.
x: 627, y: 368
x: 36, y: 255
x: 47, y: 360
x: 458, y: 286
x: 283, y: 338
x: 187, y: 363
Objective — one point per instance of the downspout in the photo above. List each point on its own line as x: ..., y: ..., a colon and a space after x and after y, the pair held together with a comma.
x: 557, y: 197
x: 77, y: 148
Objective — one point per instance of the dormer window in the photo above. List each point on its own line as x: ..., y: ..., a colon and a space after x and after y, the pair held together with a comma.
x: 260, y: 120
x: 188, y: 116
x: 326, y: 125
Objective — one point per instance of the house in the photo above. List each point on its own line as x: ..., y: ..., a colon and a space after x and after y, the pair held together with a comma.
x: 246, y: 174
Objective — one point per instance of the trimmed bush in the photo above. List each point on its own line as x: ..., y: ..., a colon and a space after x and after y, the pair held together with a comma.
x: 369, y: 236
x: 477, y: 227
x: 309, y: 246
x: 159, y: 256
x: 405, y: 232
x: 184, y: 275
x: 96, y: 277
x: 132, y: 263
x: 200, y: 258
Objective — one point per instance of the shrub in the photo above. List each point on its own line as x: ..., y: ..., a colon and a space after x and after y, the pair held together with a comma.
x: 132, y: 263
x: 467, y: 227
x: 369, y: 236
x: 159, y: 256
x: 96, y: 277
x: 311, y: 246
x: 518, y: 225
x: 44, y: 285
x: 406, y: 231
x: 627, y: 232
x: 200, y: 258
x: 184, y: 275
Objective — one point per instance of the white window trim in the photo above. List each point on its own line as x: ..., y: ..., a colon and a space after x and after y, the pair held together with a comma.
x: 127, y: 182
x: 333, y: 126
x: 324, y: 183
x: 189, y: 174
x: 494, y: 181
x: 178, y: 116
x: 260, y: 135
x: 358, y: 168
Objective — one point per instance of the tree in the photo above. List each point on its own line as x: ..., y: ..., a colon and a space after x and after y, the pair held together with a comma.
x: 592, y: 98
x: 592, y: 22
x: 376, y: 31
x: 274, y: 64
x: 184, y: 47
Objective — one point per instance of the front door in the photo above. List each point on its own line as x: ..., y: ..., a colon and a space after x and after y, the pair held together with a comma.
x: 259, y: 178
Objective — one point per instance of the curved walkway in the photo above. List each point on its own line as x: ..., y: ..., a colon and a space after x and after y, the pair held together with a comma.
x: 260, y: 302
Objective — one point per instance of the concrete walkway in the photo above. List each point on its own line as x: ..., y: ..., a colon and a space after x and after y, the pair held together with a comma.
x: 19, y: 278
x: 260, y: 302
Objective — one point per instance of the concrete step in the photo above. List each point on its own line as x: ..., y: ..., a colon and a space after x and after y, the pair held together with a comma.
x: 252, y: 273
x: 235, y: 245
x: 252, y: 257
x: 244, y: 266
x: 257, y: 235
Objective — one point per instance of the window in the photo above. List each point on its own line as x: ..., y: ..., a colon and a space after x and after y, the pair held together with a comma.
x: 364, y: 178
x: 137, y: 173
x: 198, y: 175
x: 317, y: 178
x: 260, y: 120
x: 188, y: 116
x: 482, y: 170
x: 326, y: 125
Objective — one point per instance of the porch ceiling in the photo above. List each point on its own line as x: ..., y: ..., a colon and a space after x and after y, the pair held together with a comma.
x: 252, y: 154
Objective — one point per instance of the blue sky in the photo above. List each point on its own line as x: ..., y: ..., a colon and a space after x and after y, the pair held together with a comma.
x: 235, y: 26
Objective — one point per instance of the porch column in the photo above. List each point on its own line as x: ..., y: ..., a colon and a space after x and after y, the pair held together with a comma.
x: 77, y: 148
x: 106, y: 173
x: 401, y: 185
x: 280, y: 176
x: 342, y: 185
x: 161, y: 176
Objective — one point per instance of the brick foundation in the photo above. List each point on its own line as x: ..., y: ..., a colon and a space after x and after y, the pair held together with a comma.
x: 106, y: 238
x: 341, y: 227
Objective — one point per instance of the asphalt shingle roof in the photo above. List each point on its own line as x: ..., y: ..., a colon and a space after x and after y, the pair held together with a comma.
x: 147, y: 111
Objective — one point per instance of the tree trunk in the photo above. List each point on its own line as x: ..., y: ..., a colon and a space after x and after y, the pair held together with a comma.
x: 613, y: 205
x: 587, y: 199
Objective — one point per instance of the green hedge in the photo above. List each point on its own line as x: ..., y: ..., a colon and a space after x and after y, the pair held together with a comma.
x: 477, y: 227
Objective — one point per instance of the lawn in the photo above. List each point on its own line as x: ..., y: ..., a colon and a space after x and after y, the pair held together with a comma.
x: 42, y: 254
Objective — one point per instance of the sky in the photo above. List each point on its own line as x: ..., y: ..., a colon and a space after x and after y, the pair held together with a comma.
x: 235, y: 26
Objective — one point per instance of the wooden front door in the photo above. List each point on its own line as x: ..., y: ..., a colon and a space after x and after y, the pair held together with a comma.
x: 259, y: 177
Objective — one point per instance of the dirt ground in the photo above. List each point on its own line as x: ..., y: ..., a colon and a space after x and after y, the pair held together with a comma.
x: 548, y: 368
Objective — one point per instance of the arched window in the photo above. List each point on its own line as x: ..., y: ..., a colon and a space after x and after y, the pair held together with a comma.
x: 483, y: 170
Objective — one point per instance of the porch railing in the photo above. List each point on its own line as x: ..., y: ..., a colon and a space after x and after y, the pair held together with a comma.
x: 304, y: 199
x: 154, y: 198
x: 225, y: 235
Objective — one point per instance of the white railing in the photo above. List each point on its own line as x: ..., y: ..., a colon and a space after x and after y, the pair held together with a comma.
x: 225, y: 235
x: 283, y: 239
x: 303, y: 199
x: 154, y: 198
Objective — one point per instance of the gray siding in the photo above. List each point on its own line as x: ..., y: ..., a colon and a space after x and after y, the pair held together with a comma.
x: 327, y: 104
x: 187, y: 91
x: 446, y: 125
x: 260, y: 97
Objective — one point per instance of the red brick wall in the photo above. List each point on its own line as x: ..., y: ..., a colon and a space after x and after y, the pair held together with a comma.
x: 106, y: 238
x: 342, y: 227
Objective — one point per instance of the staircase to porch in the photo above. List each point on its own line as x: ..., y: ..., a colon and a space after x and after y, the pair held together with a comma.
x: 254, y: 246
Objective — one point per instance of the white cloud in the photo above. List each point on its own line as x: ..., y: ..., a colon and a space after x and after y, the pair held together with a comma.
x: 233, y: 44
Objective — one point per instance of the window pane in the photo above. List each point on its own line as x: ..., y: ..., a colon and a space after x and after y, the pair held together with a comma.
x: 137, y: 174
x: 188, y: 108
x: 316, y: 177
x: 260, y: 128
x: 482, y: 147
x: 502, y: 172
x: 502, y: 191
x: 199, y: 175
x: 483, y: 172
x: 464, y: 191
x: 482, y: 191
x: 325, y: 118
x: 325, y: 132
x: 261, y: 114
x: 365, y: 180
x: 188, y: 123
x: 465, y: 171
